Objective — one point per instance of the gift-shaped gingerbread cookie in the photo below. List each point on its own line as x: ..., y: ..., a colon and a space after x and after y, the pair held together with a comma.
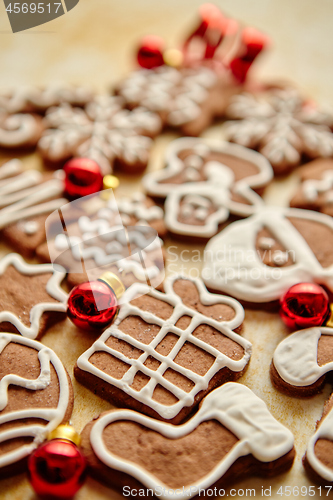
x: 257, y: 259
x: 30, y: 296
x: 232, y: 435
x: 300, y: 367
x: 35, y: 397
x: 204, y: 182
x: 166, y: 351
x: 316, y: 188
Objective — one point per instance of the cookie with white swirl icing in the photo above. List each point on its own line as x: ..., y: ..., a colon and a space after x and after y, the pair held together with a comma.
x: 35, y: 397
x: 166, y: 351
x: 258, y: 259
x: 205, y: 182
x: 20, y: 131
x: 233, y: 435
x: 315, y: 191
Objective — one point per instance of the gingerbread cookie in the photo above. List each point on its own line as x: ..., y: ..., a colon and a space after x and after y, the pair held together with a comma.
x: 30, y: 296
x: 119, y: 236
x: 204, y: 182
x: 166, y: 351
x: 232, y: 435
x: 26, y: 199
x: 38, y: 100
x: 102, y: 131
x: 186, y: 98
x: 256, y: 260
x: 19, y: 131
x: 35, y: 397
x: 281, y: 125
x: 316, y: 189
x: 301, y: 365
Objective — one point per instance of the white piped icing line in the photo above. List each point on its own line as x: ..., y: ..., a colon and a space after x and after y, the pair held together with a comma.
x: 312, y: 188
x: 54, y: 416
x: 234, y: 406
x: 281, y: 125
x: 232, y: 264
x: 295, y: 358
x: 52, y: 288
x: 324, y: 431
x: 145, y: 395
x: 216, y: 188
x: 19, y: 130
x: 24, y: 195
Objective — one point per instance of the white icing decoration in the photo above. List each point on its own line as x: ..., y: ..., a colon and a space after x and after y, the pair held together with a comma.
x: 324, y: 431
x: 266, y: 243
x: 232, y: 264
x: 234, y: 406
x: 280, y: 125
x: 30, y: 227
x: 54, y: 416
x: 18, y: 130
x: 103, y: 131
x: 295, y: 358
x: 168, y: 326
x: 52, y: 288
x: 179, y: 93
x: 22, y: 194
x: 280, y: 258
x: 312, y: 188
x: 216, y: 188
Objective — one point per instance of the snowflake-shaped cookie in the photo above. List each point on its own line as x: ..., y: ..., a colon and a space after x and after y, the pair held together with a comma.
x: 165, y: 351
x: 29, y: 296
x: 185, y: 98
x: 204, y: 182
x: 102, y: 131
x: 282, y: 125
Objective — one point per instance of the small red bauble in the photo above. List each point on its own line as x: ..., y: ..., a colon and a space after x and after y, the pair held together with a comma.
x: 150, y: 52
x: 304, y: 305
x: 92, y: 305
x: 253, y: 43
x: 82, y: 177
x: 57, y: 469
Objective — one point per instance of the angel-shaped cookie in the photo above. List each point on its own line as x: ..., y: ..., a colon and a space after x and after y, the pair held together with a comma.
x: 256, y: 260
x: 204, y: 182
x: 232, y: 435
x: 166, y: 351
x: 300, y: 367
x: 35, y: 397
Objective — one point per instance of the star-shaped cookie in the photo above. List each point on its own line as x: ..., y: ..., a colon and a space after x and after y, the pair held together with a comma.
x: 30, y: 296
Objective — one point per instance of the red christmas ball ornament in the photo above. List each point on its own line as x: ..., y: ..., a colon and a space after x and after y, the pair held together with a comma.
x: 82, y: 177
x: 304, y: 305
x: 93, y: 305
x: 150, y: 52
x: 57, y: 468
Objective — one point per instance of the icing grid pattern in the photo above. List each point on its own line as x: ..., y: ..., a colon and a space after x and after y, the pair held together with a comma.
x: 233, y: 405
x: 54, y: 416
x: 145, y: 395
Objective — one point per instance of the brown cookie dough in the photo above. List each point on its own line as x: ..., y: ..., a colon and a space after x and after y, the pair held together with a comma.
x: 33, y: 381
x: 166, y: 351
x: 207, y: 447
